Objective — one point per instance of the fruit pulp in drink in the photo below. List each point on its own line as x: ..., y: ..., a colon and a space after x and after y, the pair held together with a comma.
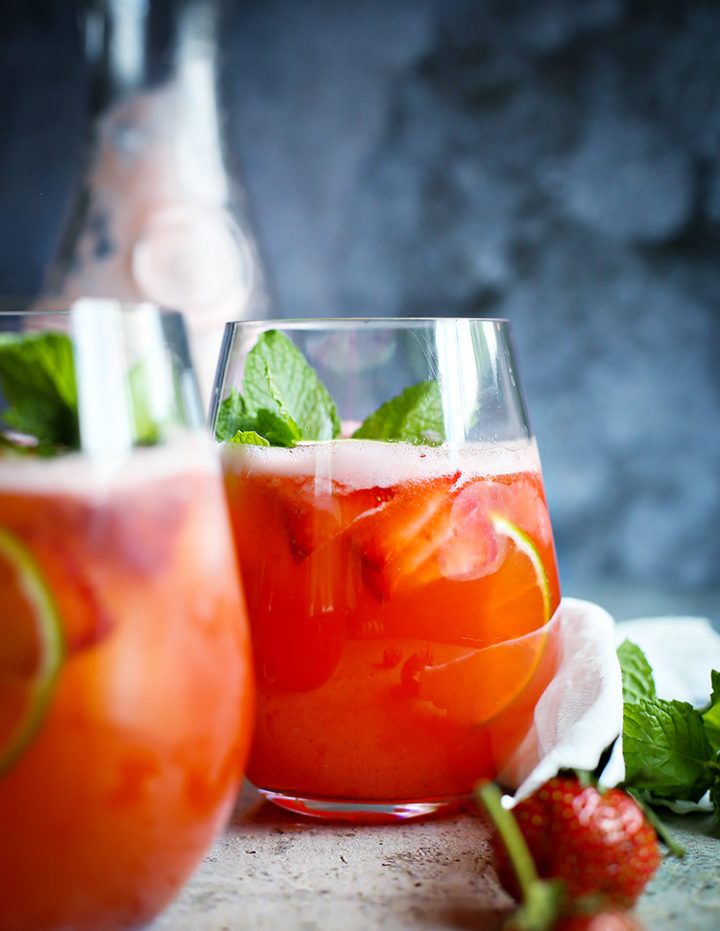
x: 137, y: 760
x: 400, y: 602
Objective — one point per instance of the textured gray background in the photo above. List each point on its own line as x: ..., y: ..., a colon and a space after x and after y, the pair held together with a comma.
x: 554, y: 162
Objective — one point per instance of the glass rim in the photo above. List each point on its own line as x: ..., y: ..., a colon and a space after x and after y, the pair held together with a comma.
x: 399, y: 322
x: 63, y: 308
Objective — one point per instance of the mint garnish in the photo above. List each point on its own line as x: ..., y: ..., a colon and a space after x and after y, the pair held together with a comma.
x: 671, y: 749
x: 248, y: 438
x: 637, y: 676
x: 711, y: 712
x: 282, y: 398
x: 284, y: 402
x: 666, y: 749
x: 415, y: 416
x: 37, y: 375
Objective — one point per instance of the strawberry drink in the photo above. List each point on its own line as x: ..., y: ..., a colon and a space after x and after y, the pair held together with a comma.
x: 400, y: 596
x: 126, y: 694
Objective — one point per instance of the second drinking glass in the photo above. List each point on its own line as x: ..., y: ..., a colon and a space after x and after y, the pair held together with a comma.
x: 125, y: 669
x: 397, y: 557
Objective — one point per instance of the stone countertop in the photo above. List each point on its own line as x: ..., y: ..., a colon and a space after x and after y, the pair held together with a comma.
x: 272, y: 870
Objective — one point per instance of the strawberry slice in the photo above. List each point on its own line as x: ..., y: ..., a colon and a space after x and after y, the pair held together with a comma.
x: 316, y: 509
x: 86, y: 620
x: 521, y: 499
x: 471, y: 549
x: 57, y: 545
x: 397, y: 541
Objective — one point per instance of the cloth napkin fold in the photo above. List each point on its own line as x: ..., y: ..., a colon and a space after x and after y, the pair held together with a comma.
x: 581, y: 711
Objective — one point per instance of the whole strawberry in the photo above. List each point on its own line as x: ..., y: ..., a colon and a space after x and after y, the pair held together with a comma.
x: 597, y: 841
x: 573, y: 855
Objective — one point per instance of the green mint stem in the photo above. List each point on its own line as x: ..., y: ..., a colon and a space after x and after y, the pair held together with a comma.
x: 661, y: 829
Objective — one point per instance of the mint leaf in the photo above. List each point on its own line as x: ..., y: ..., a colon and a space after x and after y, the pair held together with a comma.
x: 414, y: 416
x: 637, y: 676
x: 275, y: 426
x: 666, y: 750
x: 277, y: 379
x: 279, y: 429
x: 283, y: 400
x: 232, y: 416
x: 248, y: 438
x: 146, y: 430
x: 37, y: 375
x: 711, y: 713
x: 715, y: 796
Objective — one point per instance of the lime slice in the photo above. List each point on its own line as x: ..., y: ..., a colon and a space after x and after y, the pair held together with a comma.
x: 523, y: 543
x: 477, y: 685
x: 31, y: 648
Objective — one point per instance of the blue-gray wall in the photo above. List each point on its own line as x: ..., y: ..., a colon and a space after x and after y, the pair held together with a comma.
x: 556, y: 162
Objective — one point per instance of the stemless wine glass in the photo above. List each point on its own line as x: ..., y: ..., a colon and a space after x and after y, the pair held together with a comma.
x: 125, y: 665
x: 397, y: 556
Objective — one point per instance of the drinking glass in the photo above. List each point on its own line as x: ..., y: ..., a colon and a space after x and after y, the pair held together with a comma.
x: 397, y: 556
x: 125, y: 664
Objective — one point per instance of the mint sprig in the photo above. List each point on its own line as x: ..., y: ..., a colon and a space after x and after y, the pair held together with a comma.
x: 283, y: 402
x: 282, y: 398
x: 671, y: 749
x: 37, y: 375
x: 38, y: 382
x: 711, y: 712
x: 415, y: 416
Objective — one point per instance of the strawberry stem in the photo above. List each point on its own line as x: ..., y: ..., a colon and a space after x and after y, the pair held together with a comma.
x: 511, y: 836
x: 540, y: 900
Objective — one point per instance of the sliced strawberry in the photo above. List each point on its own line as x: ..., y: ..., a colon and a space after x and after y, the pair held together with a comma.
x: 396, y: 541
x: 315, y: 510
x: 521, y: 499
x: 54, y: 531
x: 472, y: 548
x: 85, y: 619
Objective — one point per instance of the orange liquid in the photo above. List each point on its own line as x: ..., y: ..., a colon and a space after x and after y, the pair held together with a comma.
x: 400, y: 646
x: 138, y: 761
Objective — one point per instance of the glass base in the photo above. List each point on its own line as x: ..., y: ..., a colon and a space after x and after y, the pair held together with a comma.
x: 360, y: 812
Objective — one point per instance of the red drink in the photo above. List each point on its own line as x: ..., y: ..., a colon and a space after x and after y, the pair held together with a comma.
x: 400, y: 600
x: 117, y: 792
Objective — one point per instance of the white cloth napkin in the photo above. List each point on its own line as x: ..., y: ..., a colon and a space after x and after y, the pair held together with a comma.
x: 682, y: 652
x: 581, y: 711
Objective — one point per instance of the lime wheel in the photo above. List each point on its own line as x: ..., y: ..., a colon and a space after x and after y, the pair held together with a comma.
x: 31, y: 648
x: 481, y: 683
